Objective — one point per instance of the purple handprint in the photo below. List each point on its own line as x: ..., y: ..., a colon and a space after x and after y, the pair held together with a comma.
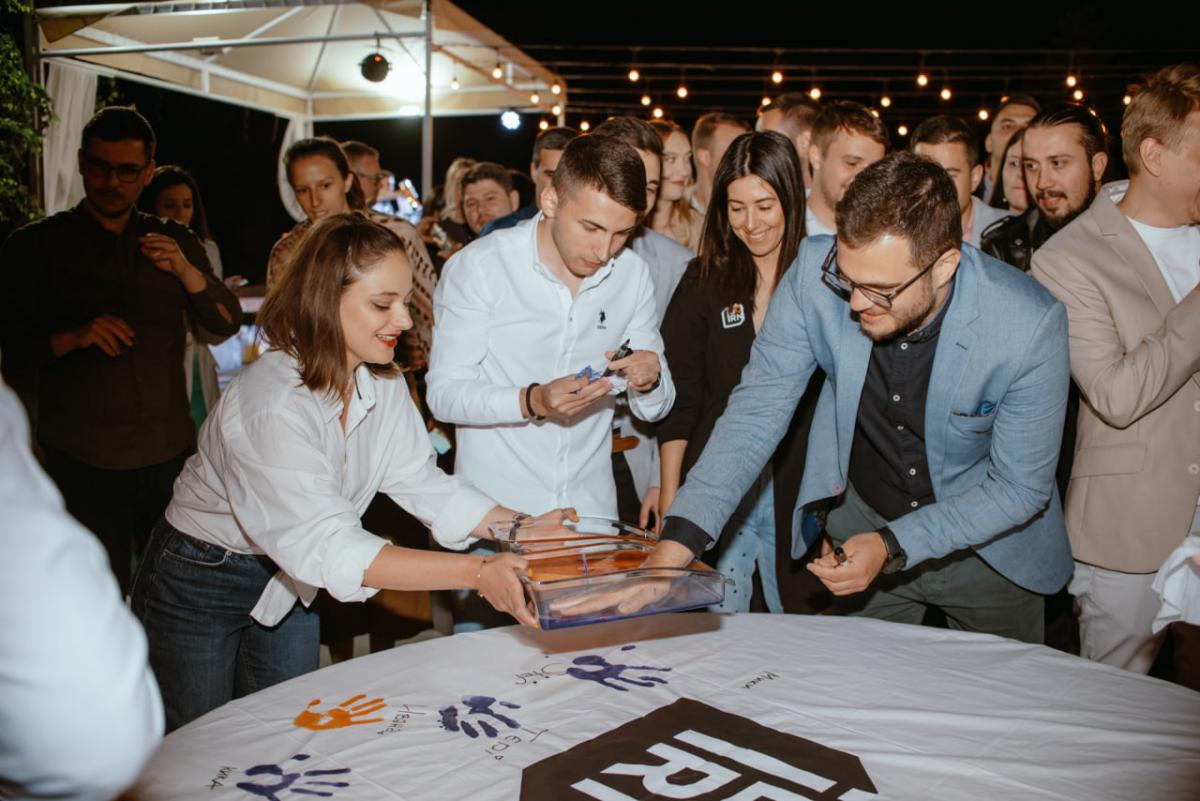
x: 286, y: 780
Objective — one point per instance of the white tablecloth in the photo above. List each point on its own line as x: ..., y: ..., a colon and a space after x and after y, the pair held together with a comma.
x: 930, y: 713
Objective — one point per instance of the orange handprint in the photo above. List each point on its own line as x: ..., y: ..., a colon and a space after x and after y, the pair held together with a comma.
x: 339, y: 717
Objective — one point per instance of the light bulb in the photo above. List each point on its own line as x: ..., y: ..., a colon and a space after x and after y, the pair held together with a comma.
x: 874, y: 112
x: 1072, y: 80
x: 454, y: 84
x: 1077, y: 94
x: 510, y: 120
x: 634, y: 75
x: 922, y: 80
x: 885, y: 101
x: 658, y: 113
x: 585, y: 126
x: 545, y: 126
x: 815, y: 93
x: 497, y: 73
x: 681, y: 91
x: 535, y: 98
x: 983, y: 114
x: 776, y: 77
x: 1127, y: 100
x: 556, y: 89
x: 946, y: 95
x: 645, y: 100
x: 902, y: 130
x: 766, y: 101
x: 556, y: 109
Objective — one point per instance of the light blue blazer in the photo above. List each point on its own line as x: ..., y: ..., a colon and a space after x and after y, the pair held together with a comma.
x: 1003, y: 340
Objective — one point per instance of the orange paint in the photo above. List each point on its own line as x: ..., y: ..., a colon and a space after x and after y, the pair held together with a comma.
x: 341, y: 716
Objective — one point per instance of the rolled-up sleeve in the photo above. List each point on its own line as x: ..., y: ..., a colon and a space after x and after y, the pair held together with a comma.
x: 452, y: 507
x: 285, y: 494
x: 458, y: 392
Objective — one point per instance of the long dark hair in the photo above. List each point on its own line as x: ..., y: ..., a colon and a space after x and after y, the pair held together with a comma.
x: 170, y: 175
x: 723, y: 257
x: 330, y: 149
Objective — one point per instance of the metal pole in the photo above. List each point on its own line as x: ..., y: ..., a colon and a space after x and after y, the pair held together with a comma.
x: 427, y: 122
x: 214, y: 44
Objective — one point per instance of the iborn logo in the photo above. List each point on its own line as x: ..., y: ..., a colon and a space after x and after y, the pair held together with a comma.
x: 733, y: 316
x: 690, y: 750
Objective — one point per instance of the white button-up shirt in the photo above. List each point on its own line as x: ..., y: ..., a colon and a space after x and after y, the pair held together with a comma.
x: 277, y: 475
x: 503, y: 321
x: 79, y: 710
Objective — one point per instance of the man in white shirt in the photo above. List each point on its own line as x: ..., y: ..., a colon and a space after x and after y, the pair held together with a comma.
x: 520, y: 313
x: 711, y: 136
x: 1128, y: 271
x: 846, y: 139
x: 79, y: 710
x: 948, y: 141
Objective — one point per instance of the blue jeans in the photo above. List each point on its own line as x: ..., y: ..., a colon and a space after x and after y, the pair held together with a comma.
x: 752, y: 547
x: 194, y: 600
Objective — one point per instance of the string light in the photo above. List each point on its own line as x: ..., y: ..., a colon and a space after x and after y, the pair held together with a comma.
x: 776, y: 77
x: 634, y: 75
x: 556, y: 89
x: 556, y: 109
x: 658, y: 113
x: 535, y: 98
x: 885, y: 101
x: 766, y: 101
x: 1072, y: 80
x: 585, y: 126
x: 874, y: 112
x: 681, y: 91
x: 645, y: 100
x: 922, y: 80
x: 545, y: 126
x: 1127, y: 100
x: 815, y: 93
x: 497, y: 72
x: 946, y: 94
x: 983, y: 114
x: 902, y: 130
x: 1077, y: 94
x: 454, y: 84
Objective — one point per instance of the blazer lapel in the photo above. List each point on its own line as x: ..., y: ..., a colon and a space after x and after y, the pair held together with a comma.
x: 1128, y: 245
x: 854, y: 354
x: 955, y: 342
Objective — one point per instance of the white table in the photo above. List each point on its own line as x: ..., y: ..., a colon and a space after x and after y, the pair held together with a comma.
x: 930, y: 714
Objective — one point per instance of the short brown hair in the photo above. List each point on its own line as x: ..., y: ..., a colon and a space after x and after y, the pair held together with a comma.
x: 634, y: 132
x: 846, y: 115
x: 798, y: 109
x: 552, y: 139
x: 355, y: 149
x: 703, y: 130
x: 606, y: 163
x: 301, y: 316
x: 944, y: 129
x: 1159, y: 110
x: 907, y: 196
x: 118, y: 123
x: 486, y: 171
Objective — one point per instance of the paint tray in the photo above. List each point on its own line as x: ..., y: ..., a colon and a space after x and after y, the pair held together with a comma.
x: 591, y: 572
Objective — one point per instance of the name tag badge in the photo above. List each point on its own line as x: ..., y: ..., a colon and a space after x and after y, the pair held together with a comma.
x: 733, y: 316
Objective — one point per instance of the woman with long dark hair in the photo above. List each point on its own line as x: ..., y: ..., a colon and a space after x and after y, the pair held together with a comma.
x: 1010, y: 192
x: 751, y: 235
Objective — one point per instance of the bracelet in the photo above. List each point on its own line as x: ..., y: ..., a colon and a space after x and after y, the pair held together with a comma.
x: 529, y: 402
x: 479, y: 573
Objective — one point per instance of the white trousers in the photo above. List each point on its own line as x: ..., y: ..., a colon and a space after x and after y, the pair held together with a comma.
x: 1115, y: 613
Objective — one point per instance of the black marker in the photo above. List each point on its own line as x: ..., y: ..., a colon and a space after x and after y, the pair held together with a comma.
x: 840, y: 556
x: 621, y: 353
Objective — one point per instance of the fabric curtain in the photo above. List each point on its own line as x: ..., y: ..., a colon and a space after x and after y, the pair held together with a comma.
x: 297, y: 129
x: 73, y: 92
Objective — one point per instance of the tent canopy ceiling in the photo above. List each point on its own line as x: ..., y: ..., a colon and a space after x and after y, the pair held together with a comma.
x: 300, y: 58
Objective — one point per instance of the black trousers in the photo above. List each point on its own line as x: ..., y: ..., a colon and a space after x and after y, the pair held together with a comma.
x: 121, y: 507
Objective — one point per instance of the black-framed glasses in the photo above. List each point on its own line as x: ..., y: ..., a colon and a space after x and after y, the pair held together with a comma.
x: 99, y: 168
x: 845, y: 286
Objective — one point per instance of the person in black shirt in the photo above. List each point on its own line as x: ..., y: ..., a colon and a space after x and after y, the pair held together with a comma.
x: 750, y: 238
x: 93, y: 323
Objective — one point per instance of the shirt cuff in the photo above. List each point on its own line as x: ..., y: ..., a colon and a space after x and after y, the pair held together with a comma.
x: 348, y: 554
x: 461, y: 514
x: 686, y: 533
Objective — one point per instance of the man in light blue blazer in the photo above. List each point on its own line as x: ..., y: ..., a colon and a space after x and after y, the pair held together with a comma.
x: 937, y: 429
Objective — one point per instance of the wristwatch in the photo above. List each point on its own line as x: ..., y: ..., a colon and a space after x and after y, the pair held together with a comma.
x: 896, y: 558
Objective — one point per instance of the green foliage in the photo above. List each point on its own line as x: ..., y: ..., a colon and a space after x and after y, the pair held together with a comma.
x: 25, y: 111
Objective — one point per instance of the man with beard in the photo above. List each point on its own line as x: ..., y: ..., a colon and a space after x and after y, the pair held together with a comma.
x: 937, y: 432
x: 1065, y: 156
x: 94, y: 316
x: 1128, y: 271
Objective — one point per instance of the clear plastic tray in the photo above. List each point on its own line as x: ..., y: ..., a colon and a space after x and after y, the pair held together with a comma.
x: 591, y: 572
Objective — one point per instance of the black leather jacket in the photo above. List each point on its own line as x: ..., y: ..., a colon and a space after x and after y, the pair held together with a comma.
x: 1013, y: 239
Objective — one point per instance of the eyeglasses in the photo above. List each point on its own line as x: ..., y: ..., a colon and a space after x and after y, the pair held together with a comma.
x: 99, y: 168
x: 377, y: 177
x: 845, y: 286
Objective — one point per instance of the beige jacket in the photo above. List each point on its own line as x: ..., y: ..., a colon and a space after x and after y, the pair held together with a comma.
x: 1135, y: 355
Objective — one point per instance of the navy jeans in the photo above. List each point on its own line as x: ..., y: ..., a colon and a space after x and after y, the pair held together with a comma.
x: 194, y: 600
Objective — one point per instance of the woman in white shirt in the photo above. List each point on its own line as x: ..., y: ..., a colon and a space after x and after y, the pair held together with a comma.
x: 268, y: 511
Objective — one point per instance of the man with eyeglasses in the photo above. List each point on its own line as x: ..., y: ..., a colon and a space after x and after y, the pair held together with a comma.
x: 937, y: 430
x: 93, y: 319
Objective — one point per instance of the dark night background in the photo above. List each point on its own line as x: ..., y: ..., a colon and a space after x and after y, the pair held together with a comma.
x: 232, y: 150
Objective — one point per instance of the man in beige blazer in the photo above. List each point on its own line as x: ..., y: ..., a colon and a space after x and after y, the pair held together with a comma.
x: 1127, y: 270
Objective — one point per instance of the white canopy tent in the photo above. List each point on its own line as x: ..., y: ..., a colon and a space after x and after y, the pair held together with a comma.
x: 299, y: 59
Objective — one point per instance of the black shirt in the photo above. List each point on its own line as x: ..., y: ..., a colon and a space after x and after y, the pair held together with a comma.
x: 118, y: 412
x: 888, y: 464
